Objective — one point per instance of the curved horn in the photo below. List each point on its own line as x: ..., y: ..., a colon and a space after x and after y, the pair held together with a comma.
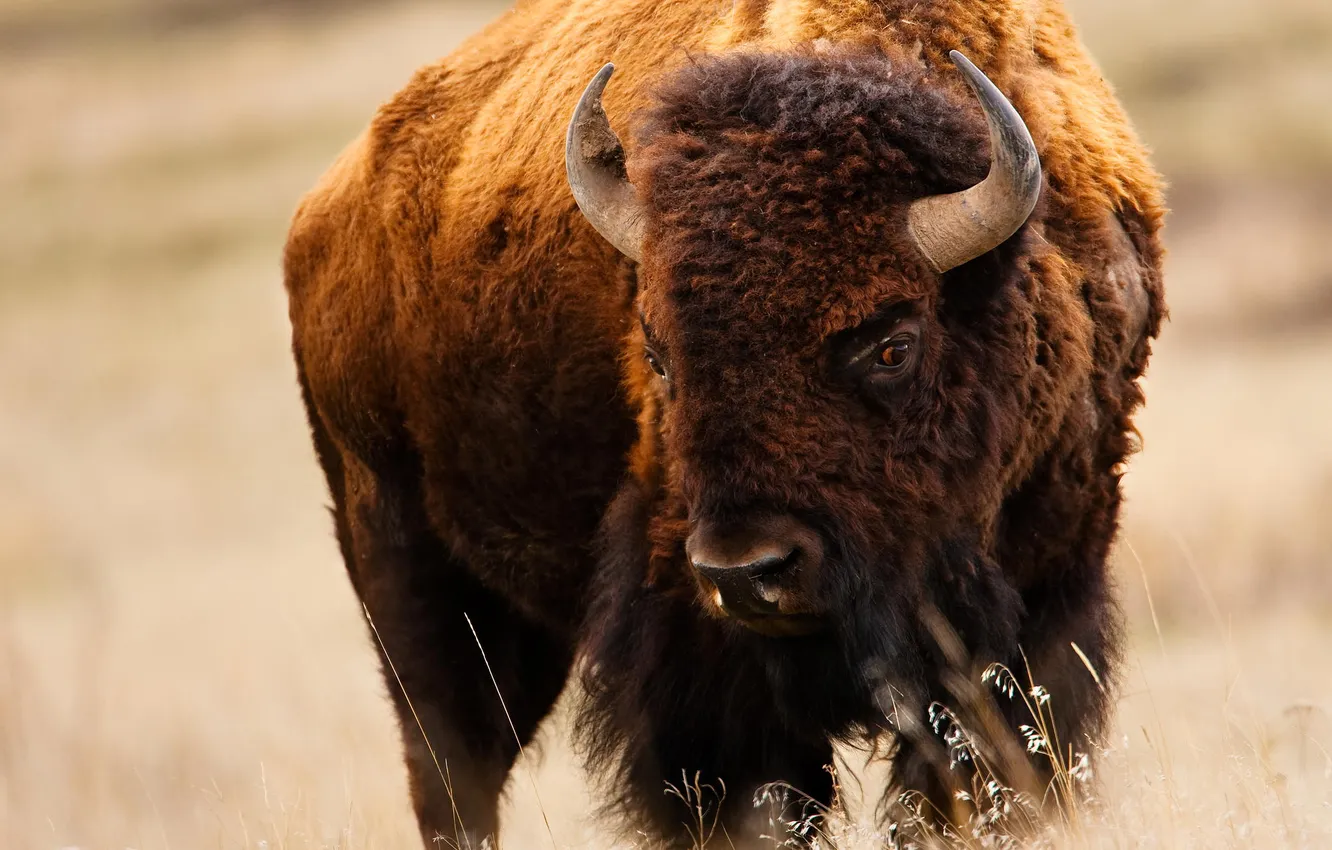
x: 953, y: 229
x: 594, y: 163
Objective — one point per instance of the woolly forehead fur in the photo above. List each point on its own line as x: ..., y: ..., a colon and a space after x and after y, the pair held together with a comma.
x: 777, y: 188
x: 781, y: 181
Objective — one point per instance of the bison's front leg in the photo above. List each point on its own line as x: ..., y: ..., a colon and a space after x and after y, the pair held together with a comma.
x: 1072, y: 646
x: 1011, y: 729
x: 753, y: 787
x: 431, y: 620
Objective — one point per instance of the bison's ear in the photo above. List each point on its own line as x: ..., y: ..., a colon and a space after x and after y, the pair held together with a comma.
x: 954, y: 229
x: 594, y: 163
x: 1128, y: 279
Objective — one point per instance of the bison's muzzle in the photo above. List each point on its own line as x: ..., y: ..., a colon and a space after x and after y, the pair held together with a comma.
x: 760, y: 572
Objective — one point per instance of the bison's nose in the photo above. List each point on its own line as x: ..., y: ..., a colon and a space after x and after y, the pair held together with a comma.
x: 754, y: 566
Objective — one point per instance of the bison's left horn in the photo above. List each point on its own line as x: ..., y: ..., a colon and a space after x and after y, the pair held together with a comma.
x: 953, y: 229
x: 594, y: 162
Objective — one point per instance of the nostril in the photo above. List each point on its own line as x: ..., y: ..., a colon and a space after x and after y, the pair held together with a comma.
x: 771, y: 565
x: 758, y: 569
x: 753, y: 583
x: 752, y: 565
x: 756, y: 552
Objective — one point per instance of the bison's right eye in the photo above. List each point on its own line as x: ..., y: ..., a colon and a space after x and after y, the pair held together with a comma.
x: 654, y: 363
x: 897, y: 353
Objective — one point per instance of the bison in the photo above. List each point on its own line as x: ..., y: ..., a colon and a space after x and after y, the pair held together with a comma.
x: 775, y: 423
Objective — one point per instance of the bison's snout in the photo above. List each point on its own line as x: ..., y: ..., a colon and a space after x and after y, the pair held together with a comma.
x: 760, y: 571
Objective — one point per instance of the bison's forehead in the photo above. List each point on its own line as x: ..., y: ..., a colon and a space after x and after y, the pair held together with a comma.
x: 777, y: 184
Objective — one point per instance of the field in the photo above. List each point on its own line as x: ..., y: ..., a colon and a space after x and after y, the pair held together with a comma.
x: 182, y: 663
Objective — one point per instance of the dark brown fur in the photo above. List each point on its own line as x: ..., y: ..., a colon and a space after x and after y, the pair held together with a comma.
x: 471, y: 358
x: 985, y: 489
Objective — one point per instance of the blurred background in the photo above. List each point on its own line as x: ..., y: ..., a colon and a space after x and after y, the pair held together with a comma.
x: 182, y: 663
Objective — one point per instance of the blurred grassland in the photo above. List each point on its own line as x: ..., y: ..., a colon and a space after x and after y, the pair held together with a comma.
x: 181, y: 662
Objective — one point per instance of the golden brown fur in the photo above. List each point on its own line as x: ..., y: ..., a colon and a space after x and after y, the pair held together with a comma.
x: 459, y: 331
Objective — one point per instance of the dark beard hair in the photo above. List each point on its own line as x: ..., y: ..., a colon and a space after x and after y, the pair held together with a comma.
x: 665, y: 682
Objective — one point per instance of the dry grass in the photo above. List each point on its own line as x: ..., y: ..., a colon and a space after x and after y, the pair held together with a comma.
x: 181, y: 662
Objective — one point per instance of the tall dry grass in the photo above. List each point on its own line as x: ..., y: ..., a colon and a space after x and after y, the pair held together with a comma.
x: 182, y: 664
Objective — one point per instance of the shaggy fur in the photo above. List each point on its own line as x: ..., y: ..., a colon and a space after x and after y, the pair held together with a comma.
x: 777, y: 186
x: 470, y: 354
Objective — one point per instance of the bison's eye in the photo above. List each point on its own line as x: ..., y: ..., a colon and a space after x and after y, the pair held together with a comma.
x: 654, y: 363
x: 896, y: 355
x: 880, y: 354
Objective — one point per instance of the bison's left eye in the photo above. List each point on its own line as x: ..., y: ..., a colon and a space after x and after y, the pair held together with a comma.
x: 896, y: 355
x: 881, y: 353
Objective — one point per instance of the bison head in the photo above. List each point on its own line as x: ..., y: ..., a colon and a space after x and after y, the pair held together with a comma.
x: 844, y: 359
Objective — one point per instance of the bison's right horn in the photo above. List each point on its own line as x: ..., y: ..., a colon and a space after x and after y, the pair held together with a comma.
x: 594, y: 162
x: 954, y: 229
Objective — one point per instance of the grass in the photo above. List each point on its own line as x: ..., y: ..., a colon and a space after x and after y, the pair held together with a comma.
x: 182, y: 664
x: 297, y: 752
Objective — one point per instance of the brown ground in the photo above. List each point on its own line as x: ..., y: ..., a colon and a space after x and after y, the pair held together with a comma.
x: 181, y: 661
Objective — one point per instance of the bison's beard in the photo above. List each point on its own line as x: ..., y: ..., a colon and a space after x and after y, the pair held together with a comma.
x: 669, y: 688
